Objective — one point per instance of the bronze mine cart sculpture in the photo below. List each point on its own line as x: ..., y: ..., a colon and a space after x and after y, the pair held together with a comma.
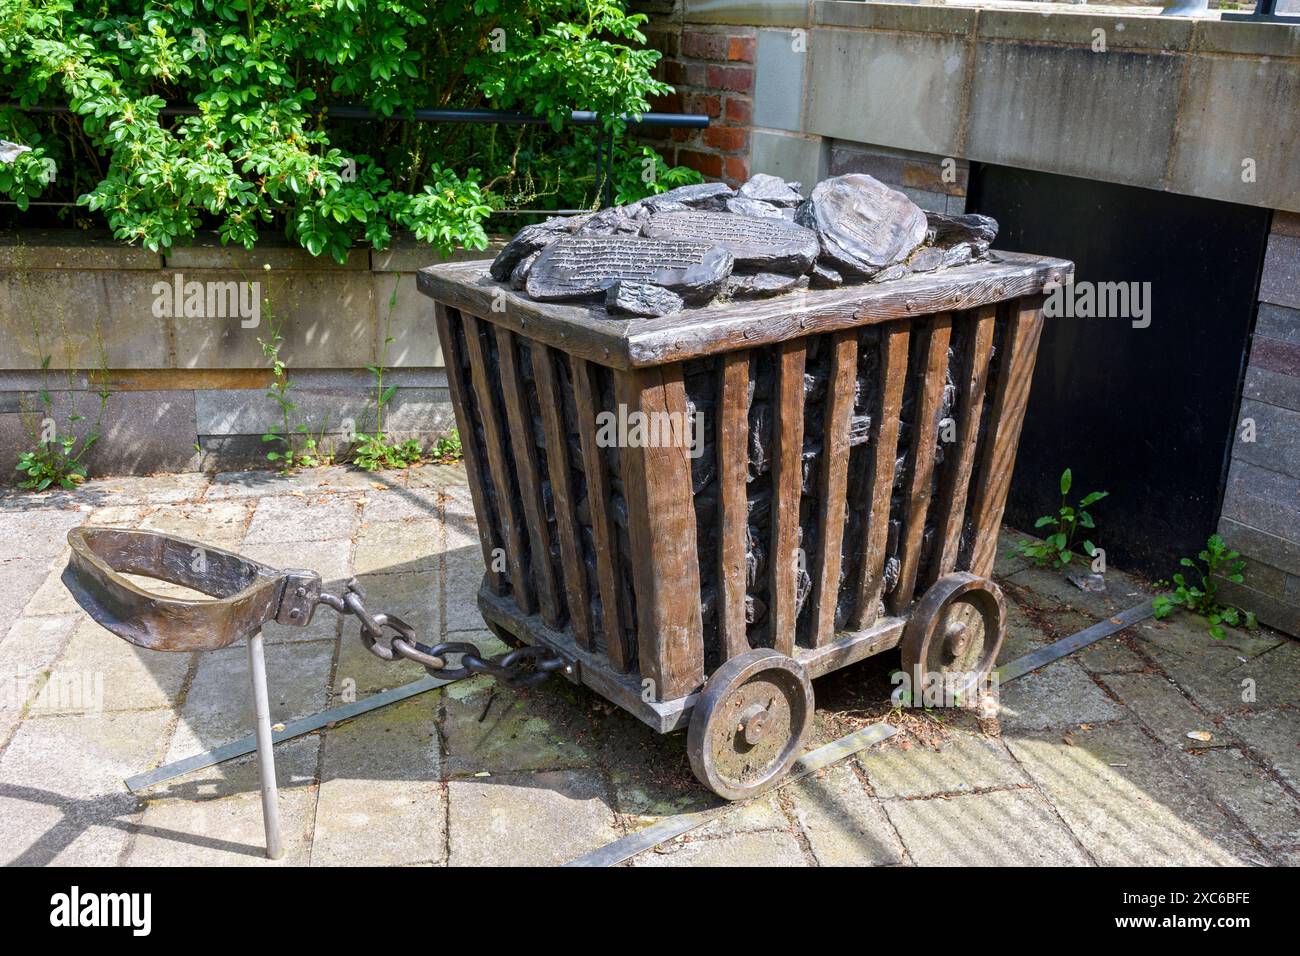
x: 719, y: 442
x: 837, y: 461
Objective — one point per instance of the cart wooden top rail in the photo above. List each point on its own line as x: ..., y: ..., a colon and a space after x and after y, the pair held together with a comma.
x: 719, y: 327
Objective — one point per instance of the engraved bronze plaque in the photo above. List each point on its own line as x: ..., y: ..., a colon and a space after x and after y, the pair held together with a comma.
x: 766, y: 244
x: 582, y: 266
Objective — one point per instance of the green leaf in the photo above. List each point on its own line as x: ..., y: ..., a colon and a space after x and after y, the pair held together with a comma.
x: 1067, y: 479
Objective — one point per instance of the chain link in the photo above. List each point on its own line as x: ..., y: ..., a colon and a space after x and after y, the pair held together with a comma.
x: 522, y: 667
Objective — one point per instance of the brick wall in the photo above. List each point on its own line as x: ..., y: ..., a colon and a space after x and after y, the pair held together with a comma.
x: 1261, y: 506
x: 712, y: 69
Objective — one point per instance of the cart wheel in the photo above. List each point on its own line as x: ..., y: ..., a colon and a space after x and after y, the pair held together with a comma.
x: 750, y: 723
x: 955, y: 633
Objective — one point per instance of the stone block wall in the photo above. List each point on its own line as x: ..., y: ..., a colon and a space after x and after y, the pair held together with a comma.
x: 1261, y: 505
x: 188, y: 387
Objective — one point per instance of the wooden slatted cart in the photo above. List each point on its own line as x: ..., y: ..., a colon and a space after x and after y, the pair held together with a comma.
x: 832, y: 488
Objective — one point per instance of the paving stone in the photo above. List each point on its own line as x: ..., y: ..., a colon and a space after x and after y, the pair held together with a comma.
x: 217, y: 707
x: 1059, y: 695
x: 463, y: 576
x: 213, y: 817
x: 741, y: 850
x: 1001, y: 828
x: 411, y: 596
x: 35, y: 535
x: 1023, y: 635
x: 361, y: 673
x: 843, y: 825
x: 315, y: 518
x: 1275, y: 736
x: 750, y: 817
x: 1110, y: 655
x: 100, y: 671
x: 380, y: 800
x: 1213, y: 671
x: 528, y: 729
x: 32, y: 645
x: 53, y: 596
x: 966, y: 761
x: 220, y: 524
x: 401, y: 504
x: 398, y: 547
x: 1129, y: 801
x: 1169, y: 715
x: 330, y: 559
x: 1052, y: 589
x: 151, y: 490
x: 61, y: 794
x: 528, y: 819
x: 1233, y: 781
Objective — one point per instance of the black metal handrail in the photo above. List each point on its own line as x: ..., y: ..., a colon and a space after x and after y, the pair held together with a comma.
x: 483, y: 117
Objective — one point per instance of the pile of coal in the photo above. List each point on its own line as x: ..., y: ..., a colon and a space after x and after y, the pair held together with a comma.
x: 696, y: 244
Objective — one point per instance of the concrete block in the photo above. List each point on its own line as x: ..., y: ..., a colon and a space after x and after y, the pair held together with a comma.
x: 1215, y: 136
x: 906, y: 18
x: 208, y: 252
x: 1060, y: 695
x: 213, y: 817
x: 843, y: 826
x: 1237, y: 784
x: 742, y: 849
x: 965, y: 762
x: 1079, y: 28
x: 84, y: 321
x: 778, y: 13
x: 778, y: 81
x: 1263, y: 499
x: 798, y: 158
x: 1129, y: 801
x: 1273, y: 388
x: 329, y: 322
x: 72, y: 250
x: 410, y: 326
x: 537, y: 819
x: 1072, y: 111
x: 382, y: 804
x: 71, y: 811
x: 1161, y: 706
x: 1003, y: 828
x: 1263, y: 547
x: 1278, y: 322
x: 1279, y: 282
x: 1277, y: 438
x: 100, y: 671
x: 1272, y: 734
x: 1225, y: 36
x: 278, y: 519
x: 903, y: 90
x: 407, y: 254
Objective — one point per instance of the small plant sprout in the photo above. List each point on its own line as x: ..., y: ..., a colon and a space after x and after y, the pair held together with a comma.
x: 377, y: 451
x: 298, y: 447
x: 1220, y: 562
x: 447, y: 448
x: 1057, y: 548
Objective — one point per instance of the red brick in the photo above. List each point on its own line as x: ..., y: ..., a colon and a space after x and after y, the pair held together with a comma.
x: 669, y: 103
x: 742, y: 49
x: 674, y: 72
x: 740, y: 109
x: 697, y: 74
x: 681, y: 135
x: 739, y: 79
x: 704, y: 46
x: 710, y: 164
x: 726, y: 138
x: 710, y: 104
x: 737, y: 169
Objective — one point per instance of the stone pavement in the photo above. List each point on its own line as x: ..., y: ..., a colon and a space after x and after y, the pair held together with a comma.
x: 1092, y: 765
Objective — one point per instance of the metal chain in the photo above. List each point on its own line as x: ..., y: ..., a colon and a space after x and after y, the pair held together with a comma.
x: 522, y: 667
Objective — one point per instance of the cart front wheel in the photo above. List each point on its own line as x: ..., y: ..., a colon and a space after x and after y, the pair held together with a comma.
x: 750, y: 723
x: 953, y: 637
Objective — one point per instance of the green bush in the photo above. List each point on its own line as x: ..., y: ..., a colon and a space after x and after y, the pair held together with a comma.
x: 260, y: 156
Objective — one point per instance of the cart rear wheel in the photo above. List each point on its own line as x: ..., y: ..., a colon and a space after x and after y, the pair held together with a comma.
x: 750, y: 723
x: 954, y: 635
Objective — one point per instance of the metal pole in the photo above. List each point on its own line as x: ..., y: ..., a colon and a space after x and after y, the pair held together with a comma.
x: 265, y: 755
